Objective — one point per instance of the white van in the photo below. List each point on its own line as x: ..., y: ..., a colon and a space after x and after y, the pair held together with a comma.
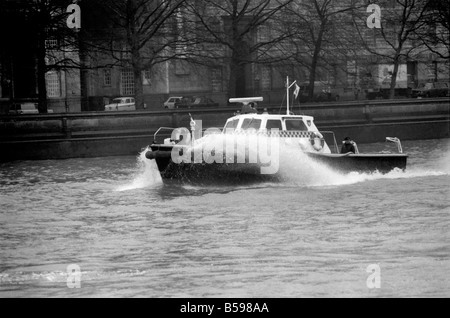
x: 170, y: 103
x: 26, y: 109
x: 121, y: 104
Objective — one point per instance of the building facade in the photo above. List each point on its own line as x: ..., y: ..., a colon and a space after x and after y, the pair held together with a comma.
x: 204, y: 50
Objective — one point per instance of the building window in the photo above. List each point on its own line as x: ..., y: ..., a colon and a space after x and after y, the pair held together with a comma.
x: 266, y: 78
x: 264, y: 33
x: 181, y: 67
x: 51, y: 44
x: 126, y: 53
x: 216, y: 80
x: 352, y: 73
x: 107, y: 80
x: 180, y: 46
x: 53, y: 81
x: 146, y: 78
x: 127, y: 82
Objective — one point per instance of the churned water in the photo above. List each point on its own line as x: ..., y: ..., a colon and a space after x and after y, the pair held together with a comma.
x: 129, y: 234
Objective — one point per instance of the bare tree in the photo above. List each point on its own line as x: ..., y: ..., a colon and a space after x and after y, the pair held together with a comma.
x: 396, y: 40
x: 55, y: 45
x: 319, y: 34
x: 435, y: 30
x: 136, y: 33
x: 226, y: 33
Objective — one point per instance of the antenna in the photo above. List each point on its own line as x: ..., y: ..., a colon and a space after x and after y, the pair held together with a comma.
x: 246, y: 100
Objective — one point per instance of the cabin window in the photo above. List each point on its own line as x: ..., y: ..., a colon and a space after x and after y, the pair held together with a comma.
x: 251, y: 123
x: 297, y: 125
x: 231, y: 125
x: 274, y: 124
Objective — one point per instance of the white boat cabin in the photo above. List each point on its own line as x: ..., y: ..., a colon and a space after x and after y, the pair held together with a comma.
x: 288, y: 126
x: 266, y: 122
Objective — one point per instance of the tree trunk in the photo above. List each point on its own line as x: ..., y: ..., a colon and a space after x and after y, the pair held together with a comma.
x: 237, y: 80
x: 312, y: 79
x: 138, y: 81
x: 238, y: 76
x: 136, y: 62
x: 232, y: 80
x: 314, y: 62
x: 394, y: 77
x: 138, y: 88
x: 41, y: 71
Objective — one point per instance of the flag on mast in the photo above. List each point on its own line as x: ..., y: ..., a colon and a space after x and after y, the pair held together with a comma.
x: 297, y: 90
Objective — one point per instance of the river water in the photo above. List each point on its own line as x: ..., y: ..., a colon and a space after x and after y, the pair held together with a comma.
x: 319, y: 234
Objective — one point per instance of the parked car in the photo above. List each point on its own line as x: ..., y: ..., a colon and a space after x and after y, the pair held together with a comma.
x: 170, y: 103
x: 323, y: 92
x: 196, y: 101
x: 121, y: 104
x: 25, y: 108
x: 435, y: 89
x: 204, y: 102
x: 382, y: 90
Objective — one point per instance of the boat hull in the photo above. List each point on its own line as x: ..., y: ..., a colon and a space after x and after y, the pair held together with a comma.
x: 382, y: 163
x: 251, y: 172
x: 206, y: 172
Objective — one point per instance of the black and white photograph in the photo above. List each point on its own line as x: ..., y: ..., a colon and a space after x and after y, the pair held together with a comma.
x: 224, y: 154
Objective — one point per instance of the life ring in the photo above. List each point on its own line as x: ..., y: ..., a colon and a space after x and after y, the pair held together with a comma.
x: 317, y: 142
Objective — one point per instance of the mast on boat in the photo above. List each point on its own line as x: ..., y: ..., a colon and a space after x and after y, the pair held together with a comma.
x: 288, y: 87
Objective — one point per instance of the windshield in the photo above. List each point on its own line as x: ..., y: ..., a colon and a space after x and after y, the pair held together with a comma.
x: 251, y: 123
x: 274, y: 124
x: 231, y: 125
x: 295, y: 125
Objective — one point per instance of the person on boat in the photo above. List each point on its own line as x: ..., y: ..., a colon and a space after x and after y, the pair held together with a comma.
x: 348, y: 146
x: 249, y: 108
